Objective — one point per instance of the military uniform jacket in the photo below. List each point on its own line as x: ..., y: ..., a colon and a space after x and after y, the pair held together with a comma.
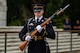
x: 38, y: 46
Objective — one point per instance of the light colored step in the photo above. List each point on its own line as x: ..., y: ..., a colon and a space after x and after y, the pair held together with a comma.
x: 76, y: 46
x: 2, y: 37
x: 75, y: 40
x: 2, y: 34
x: 13, y: 48
x: 64, y: 50
x: 78, y: 42
x: 17, y: 43
x: 12, y: 36
x: 2, y: 40
x: 8, y: 40
x: 1, y: 48
x: 17, y: 51
x: 1, y: 44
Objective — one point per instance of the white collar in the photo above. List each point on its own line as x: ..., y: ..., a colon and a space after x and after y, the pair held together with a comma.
x: 39, y: 18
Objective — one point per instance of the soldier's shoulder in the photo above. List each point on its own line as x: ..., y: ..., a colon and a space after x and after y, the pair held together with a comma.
x: 30, y: 18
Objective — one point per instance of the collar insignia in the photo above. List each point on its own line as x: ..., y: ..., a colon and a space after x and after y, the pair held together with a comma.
x: 42, y: 20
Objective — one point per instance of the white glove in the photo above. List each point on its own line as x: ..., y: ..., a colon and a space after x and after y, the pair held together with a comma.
x: 28, y: 38
x: 39, y: 28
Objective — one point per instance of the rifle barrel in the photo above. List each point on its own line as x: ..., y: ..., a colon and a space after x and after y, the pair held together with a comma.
x: 59, y: 11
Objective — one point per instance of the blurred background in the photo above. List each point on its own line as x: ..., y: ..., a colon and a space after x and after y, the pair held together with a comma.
x: 14, y: 13
x: 18, y: 11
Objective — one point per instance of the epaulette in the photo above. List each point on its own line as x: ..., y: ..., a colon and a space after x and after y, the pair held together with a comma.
x: 28, y: 23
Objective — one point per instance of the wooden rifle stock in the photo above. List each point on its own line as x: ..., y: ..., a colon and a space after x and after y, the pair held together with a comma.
x: 23, y: 45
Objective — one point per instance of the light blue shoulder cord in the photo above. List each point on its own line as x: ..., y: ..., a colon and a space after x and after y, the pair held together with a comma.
x: 27, y: 32
x: 28, y: 24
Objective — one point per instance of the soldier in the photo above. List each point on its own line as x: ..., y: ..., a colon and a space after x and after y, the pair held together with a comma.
x: 37, y: 44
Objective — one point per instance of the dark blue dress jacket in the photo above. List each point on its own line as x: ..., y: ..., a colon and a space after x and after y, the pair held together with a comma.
x: 40, y: 45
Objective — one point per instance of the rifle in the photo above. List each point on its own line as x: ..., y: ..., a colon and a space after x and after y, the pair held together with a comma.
x: 23, y: 45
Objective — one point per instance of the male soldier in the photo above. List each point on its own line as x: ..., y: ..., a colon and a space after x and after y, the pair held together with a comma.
x: 37, y: 44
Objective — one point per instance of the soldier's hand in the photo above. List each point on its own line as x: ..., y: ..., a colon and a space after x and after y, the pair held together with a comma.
x: 28, y: 38
x: 39, y: 28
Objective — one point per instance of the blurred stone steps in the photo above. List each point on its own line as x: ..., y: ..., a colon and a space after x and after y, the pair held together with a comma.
x: 64, y: 41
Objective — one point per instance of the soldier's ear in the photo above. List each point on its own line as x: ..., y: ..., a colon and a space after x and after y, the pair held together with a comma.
x: 42, y: 11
